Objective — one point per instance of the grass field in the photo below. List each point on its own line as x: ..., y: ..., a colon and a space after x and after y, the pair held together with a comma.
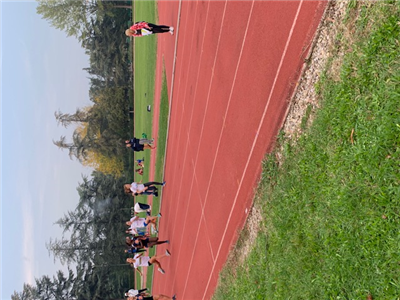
x: 144, y: 76
x: 330, y: 209
x: 145, y: 52
x: 159, y: 172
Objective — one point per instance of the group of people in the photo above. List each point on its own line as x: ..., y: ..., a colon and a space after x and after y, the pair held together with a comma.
x: 138, y: 228
x: 139, y: 241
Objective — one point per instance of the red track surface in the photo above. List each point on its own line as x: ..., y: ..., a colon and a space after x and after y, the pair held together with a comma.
x: 236, y: 66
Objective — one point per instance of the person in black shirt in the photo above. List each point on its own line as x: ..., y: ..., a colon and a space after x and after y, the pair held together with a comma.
x: 154, y: 297
x: 138, y: 145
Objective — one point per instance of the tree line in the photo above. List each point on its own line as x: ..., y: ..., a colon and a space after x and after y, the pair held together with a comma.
x: 92, y: 242
x: 100, y: 128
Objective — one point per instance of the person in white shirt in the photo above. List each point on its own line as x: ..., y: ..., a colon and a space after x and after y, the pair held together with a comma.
x: 139, y: 260
x: 134, y: 293
x: 138, y: 188
x: 136, y: 223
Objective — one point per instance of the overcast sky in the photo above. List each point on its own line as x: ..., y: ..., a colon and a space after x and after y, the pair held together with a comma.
x: 41, y: 72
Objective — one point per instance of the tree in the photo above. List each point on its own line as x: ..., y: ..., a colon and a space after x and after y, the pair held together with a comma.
x: 59, y: 287
x: 79, y: 116
x: 78, y: 148
x: 96, y: 224
x: 93, y: 239
x: 76, y: 17
x: 29, y: 292
x: 107, y: 165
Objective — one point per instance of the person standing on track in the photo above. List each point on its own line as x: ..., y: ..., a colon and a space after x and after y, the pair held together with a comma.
x: 139, y: 260
x: 144, y: 28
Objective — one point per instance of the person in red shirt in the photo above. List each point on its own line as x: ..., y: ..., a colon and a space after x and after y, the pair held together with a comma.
x: 144, y: 28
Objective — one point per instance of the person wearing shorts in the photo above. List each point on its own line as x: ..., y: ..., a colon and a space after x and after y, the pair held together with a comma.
x: 136, y: 222
x: 139, y: 260
x: 145, y: 242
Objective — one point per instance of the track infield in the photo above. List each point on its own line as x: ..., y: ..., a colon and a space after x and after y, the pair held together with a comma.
x: 236, y: 65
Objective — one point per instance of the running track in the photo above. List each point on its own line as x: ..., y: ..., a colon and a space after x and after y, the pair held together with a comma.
x: 236, y: 65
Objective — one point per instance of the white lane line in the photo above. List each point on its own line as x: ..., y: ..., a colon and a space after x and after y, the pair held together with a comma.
x: 187, y: 145
x: 203, y: 217
x: 254, y: 141
x: 200, y: 137
x: 186, y: 134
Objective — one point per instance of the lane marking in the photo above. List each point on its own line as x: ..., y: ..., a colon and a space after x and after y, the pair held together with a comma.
x: 194, y: 163
x: 198, y: 149
x: 254, y: 141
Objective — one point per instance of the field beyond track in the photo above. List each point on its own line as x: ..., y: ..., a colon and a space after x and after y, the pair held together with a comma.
x: 236, y: 66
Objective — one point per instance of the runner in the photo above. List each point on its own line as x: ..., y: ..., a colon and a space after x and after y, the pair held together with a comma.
x: 144, y: 242
x: 139, y: 260
x: 136, y: 223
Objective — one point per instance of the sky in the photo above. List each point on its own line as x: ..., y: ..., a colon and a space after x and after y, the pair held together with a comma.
x: 41, y: 72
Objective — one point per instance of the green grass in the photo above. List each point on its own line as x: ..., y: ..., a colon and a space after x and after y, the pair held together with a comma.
x: 144, y: 75
x: 331, y: 209
x: 145, y: 58
x: 144, y: 83
x: 159, y: 172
